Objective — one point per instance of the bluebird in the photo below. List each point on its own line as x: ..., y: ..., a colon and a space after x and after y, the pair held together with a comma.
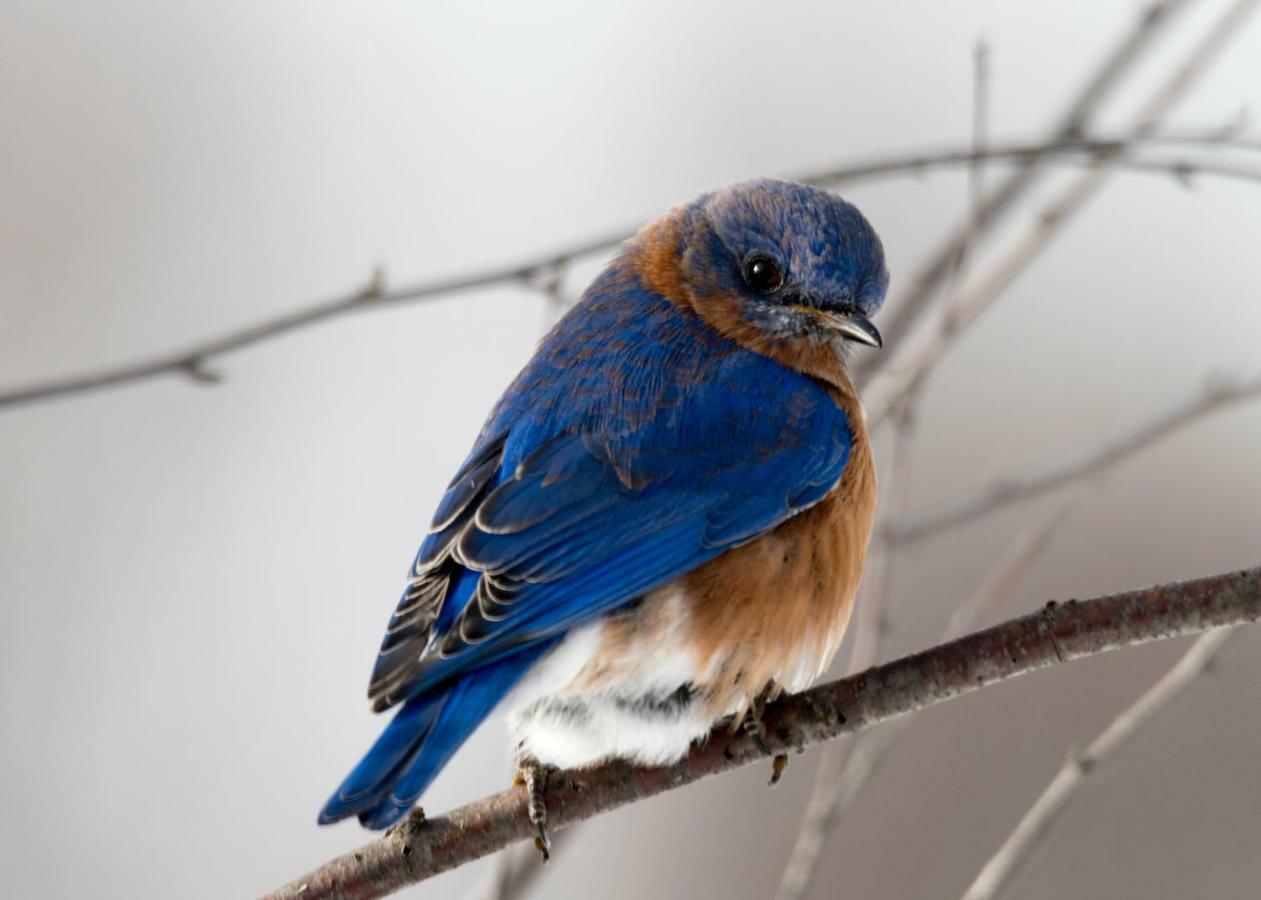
x: 663, y: 521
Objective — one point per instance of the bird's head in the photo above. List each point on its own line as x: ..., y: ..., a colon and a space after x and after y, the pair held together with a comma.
x: 787, y: 269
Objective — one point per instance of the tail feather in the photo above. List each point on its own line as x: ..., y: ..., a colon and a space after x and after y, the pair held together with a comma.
x: 382, y: 765
x: 420, y: 741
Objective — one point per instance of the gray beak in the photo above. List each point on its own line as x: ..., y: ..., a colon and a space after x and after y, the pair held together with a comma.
x: 858, y: 329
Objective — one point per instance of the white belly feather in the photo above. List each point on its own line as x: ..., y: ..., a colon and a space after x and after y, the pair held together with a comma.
x: 645, y: 713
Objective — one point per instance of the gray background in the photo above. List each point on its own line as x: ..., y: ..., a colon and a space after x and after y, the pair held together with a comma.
x: 194, y: 580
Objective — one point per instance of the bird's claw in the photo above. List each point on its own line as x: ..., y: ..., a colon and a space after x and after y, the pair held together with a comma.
x: 778, y: 765
x: 756, y: 730
x: 534, y: 778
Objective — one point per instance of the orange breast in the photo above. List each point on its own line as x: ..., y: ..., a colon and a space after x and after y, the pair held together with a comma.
x: 771, y: 614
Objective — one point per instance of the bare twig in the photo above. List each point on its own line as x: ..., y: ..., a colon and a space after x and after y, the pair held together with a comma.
x: 1072, y: 776
x: 420, y: 848
x: 980, y: 140
x: 871, y: 749
x: 1012, y: 566
x: 1073, y: 122
x: 1076, y: 151
x: 192, y: 360
x: 517, y: 869
x: 870, y: 630
x: 1217, y: 395
x: 872, y: 622
x: 869, y: 633
x: 917, y: 358
x: 845, y: 758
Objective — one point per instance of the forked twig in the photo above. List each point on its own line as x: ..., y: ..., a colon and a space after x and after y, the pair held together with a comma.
x: 997, y: 873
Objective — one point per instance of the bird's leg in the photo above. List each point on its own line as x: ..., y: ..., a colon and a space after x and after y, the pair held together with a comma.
x: 533, y: 776
x: 756, y: 730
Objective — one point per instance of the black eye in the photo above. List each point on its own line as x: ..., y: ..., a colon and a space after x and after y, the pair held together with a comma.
x: 762, y: 274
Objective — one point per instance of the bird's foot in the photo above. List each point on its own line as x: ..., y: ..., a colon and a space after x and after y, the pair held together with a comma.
x: 533, y: 777
x: 778, y: 766
x: 756, y: 730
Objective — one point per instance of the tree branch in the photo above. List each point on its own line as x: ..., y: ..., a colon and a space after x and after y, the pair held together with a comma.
x: 845, y: 760
x: 538, y: 274
x: 1216, y: 396
x: 1111, y: 71
x: 1072, y: 776
x: 418, y: 849
x: 916, y: 359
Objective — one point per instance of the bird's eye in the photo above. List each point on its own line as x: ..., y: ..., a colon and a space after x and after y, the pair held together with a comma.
x: 763, y: 274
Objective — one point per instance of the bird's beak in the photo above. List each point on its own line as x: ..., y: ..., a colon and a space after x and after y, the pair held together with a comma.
x: 856, y: 328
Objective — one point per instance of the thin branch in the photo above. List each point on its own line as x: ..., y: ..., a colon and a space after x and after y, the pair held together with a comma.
x: 872, y: 622
x: 917, y: 359
x: 1073, y: 775
x: 996, y: 586
x: 869, y: 632
x: 980, y: 141
x: 420, y: 848
x: 518, y: 868
x: 868, y: 636
x: 1216, y: 396
x: 833, y: 797
x: 1074, y: 121
x: 846, y: 760
x: 1075, y: 151
x: 191, y: 361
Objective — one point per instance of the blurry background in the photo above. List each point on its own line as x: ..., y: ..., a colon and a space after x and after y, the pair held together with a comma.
x: 194, y: 579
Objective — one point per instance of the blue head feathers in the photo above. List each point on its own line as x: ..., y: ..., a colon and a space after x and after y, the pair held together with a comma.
x: 794, y: 259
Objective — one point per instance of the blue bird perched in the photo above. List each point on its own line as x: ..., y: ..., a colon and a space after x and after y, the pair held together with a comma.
x: 664, y: 519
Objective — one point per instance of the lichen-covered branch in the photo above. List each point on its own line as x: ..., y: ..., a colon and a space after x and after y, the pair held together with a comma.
x: 418, y: 848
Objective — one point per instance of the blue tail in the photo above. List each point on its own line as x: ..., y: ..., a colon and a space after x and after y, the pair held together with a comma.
x: 420, y: 740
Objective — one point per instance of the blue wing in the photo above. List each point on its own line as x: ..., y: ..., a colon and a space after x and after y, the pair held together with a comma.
x: 611, y: 466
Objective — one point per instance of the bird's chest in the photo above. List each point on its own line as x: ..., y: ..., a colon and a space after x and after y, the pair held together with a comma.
x: 772, y: 613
